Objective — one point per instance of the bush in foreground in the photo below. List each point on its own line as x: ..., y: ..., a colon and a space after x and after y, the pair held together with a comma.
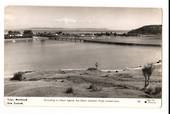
x: 91, y: 69
x: 93, y: 87
x: 18, y: 76
x: 154, y: 91
x: 69, y: 90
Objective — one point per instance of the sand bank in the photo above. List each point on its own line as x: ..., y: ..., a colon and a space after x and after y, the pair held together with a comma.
x: 125, y: 83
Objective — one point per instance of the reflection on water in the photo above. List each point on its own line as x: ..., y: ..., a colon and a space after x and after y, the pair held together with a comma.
x: 52, y: 55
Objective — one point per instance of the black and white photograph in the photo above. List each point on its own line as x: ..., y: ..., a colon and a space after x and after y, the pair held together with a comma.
x: 82, y: 52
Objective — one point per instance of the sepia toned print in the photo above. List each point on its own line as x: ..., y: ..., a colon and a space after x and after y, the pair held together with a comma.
x: 89, y: 52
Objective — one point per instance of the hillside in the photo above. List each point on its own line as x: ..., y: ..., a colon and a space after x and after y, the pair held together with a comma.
x: 147, y: 30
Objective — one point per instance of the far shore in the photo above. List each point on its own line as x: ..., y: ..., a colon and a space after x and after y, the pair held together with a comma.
x: 113, y: 41
x: 25, y: 39
x: 122, y: 83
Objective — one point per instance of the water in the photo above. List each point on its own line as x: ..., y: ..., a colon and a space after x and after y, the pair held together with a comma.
x: 53, y: 55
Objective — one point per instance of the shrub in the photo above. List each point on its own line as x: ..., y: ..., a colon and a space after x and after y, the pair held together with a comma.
x: 18, y: 76
x: 157, y: 90
x: 62, y: 81
x: 116, y: 71
x: 154, y: 91
x: 90, y: 86
x: 92, y: 68
x: 69, y: 90
x: 93, y: 87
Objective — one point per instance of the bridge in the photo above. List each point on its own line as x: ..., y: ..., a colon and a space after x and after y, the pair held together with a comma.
x: 92, y: 39
x: 68, y: 38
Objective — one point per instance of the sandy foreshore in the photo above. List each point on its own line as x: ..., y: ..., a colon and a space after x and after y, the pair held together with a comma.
x: 125, y: 83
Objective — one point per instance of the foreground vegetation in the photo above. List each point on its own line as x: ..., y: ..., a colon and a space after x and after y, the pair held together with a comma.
x: 93, y: 82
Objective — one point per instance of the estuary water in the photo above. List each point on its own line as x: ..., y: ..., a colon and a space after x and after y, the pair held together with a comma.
x: 53, y: 55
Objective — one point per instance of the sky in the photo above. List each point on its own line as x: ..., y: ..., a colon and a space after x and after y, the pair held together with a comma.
x: 18, y: 17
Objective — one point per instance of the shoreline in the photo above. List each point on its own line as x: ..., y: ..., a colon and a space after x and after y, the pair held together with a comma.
x: 122, y: 43
x: 84, y: 69
x: 123, y: 83
x: 103, y: 70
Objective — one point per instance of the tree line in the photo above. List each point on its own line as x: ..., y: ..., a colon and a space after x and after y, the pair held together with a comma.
x: 17, y: 34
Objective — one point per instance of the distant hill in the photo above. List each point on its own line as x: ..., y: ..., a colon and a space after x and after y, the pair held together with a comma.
x: 147, y: 30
